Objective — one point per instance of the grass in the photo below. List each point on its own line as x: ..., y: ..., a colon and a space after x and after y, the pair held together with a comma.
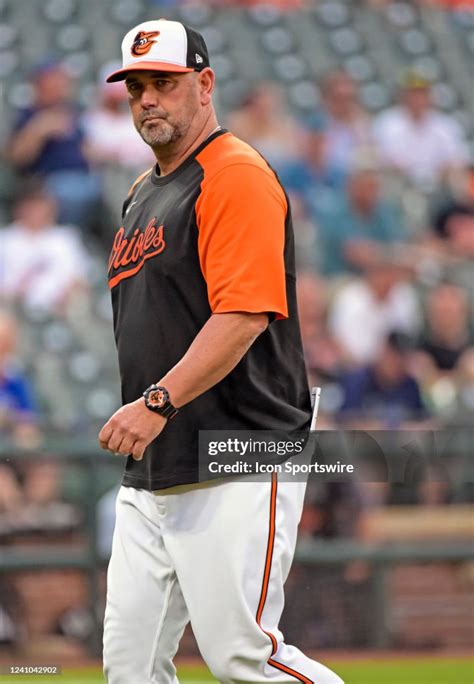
x: 396, y: 671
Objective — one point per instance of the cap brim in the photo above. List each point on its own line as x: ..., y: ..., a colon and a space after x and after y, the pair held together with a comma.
x: 121, y: 74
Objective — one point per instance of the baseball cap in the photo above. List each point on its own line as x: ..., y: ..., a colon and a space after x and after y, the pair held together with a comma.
x: 411, y: 79
x: 162, y: 45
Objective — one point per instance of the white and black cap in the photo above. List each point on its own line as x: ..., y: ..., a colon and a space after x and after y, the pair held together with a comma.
x: 162, y: 45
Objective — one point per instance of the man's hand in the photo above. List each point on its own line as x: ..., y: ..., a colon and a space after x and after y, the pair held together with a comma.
x: 131, y: 429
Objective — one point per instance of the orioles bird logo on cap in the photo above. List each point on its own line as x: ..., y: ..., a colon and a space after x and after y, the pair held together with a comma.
x: 143, y: 41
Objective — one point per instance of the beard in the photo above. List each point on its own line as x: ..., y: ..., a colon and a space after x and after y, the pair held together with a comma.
x: 157, y: 129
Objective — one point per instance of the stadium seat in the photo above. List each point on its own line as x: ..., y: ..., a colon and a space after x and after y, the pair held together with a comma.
x: 223, y: 66
x: 277, y: 40
x: 444, y: 96
x: 265, y: 15
x: 345, y: 41
x: 415, y: 42
x: 198, y: 15
x: 8, y: 36
x: 72, y: 37
x: 84, y: 367
x: 303, y: 95
x: 375, y: 96
x: 429, y: 66
x: 127, y: 12
x: 79, y: 64
x: 360, y: 67
x: 59, y: 11
x: 8, y: 63
x: 333, y: 14
x: 101, y: 403
x: 401, y: 14
x: 290, y: 67
x: 215, y: 39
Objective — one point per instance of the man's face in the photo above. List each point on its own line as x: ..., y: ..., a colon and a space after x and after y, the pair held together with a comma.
x: 36, y: 212
x: 54, y: 87
x: 341, y: 89
x: 364, y: 189
x: 163, y: 104
x: 417, y: 100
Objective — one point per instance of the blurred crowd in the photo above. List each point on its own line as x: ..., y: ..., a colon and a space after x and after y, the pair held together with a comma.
x: 383, y: 208
x: 384, y: 220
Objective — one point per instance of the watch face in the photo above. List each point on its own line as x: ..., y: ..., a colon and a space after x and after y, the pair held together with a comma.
x: 157, y: 398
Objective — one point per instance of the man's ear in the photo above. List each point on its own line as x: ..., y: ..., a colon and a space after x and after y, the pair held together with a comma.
x: 207, y: 81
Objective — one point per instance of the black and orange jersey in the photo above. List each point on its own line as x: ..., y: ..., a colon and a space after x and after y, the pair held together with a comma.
x: 213, y: 236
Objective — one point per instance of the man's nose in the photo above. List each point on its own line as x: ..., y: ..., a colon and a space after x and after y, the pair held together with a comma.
x: 149, y: 97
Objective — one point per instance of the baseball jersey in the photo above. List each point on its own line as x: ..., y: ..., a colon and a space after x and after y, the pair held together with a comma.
x: 212, y: 237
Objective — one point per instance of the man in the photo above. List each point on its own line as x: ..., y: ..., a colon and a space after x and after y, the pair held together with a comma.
x: 416, y: 139
x: 42, y: 264
x: 48, y: 141
x: 359, y: 229
x: 347, y: 128
x: 383, y: 394
x: 203, y: 291
x: 380, y: 301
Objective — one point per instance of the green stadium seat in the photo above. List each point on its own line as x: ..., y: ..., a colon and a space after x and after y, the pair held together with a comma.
x: 333, y: 14
x: 290, y: 67
x: 360, y: 67
x: 303, y: 96
x: 345, y: 41
x: 59, y: 11
x: 278, y: 41
x: 127, y: 12
x: 265, y: 15
x: 375, y: 96
x: 415, y: 42
x: 197, y: 15
x: 401, y: 14
x: 445, y: 96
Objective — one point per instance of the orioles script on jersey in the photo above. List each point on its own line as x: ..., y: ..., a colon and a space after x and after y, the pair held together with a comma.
x: 142, y: 245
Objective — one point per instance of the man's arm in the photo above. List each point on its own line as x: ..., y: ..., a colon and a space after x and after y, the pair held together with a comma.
x: 28, y: 142
x: 216, y: 350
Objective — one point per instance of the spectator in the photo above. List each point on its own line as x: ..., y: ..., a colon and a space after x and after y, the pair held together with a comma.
x: 447, y: 335
x: 454, y: 226
x: 383, y: 394
x: 322, y: 353
x: 108, y: 123
x: 264, y: 123
x: 357, y: 230
x: 41, y: 263
x: 312, y: 176
x: 48, y: 141
x: 365, y: 310
x: 417, y: 140
x: 348, y: 126
x: 18, y: 416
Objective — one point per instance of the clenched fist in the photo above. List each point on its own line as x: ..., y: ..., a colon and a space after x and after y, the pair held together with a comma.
x: 131, y: 429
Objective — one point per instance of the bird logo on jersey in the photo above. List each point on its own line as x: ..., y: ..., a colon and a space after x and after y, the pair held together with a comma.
x: 143, y: 42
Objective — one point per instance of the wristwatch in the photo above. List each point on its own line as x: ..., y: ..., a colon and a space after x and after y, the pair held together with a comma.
x: 157, y: 399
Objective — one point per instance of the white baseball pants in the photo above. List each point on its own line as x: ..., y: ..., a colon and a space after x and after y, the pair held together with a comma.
x: 215, y: 554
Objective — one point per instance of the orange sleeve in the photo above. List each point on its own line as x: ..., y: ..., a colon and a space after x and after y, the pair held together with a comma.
x: 241, y: 216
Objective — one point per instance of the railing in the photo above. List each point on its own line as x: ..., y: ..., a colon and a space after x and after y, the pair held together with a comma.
x: 309, y: 551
